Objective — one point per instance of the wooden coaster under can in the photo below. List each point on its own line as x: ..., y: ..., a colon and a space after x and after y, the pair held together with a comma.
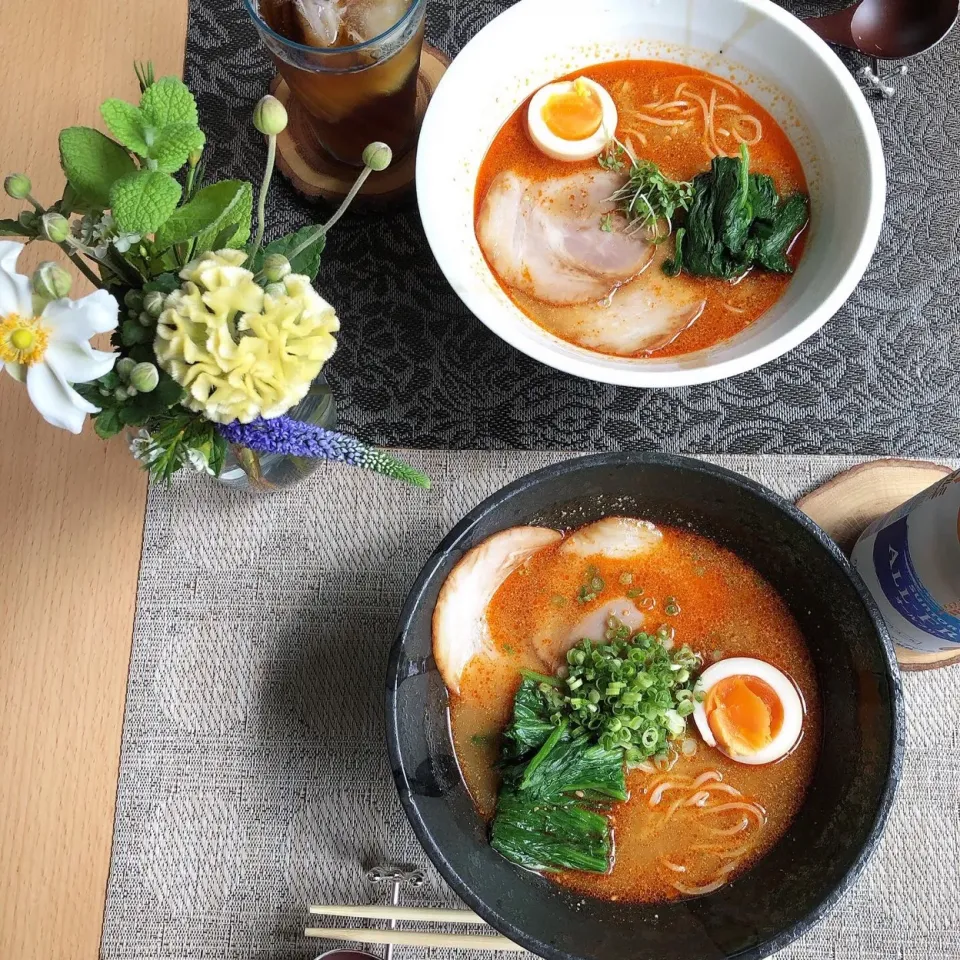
x: 318, y: 176
x: 846, y: 505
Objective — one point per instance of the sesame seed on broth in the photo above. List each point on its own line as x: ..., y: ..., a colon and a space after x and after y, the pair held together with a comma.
x: 680, y: 154
x: 721, y: 608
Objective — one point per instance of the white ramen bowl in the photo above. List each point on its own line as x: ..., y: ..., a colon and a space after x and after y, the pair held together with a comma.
x: 755, y: 44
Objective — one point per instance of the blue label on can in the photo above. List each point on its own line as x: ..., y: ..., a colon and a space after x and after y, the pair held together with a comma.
x: 903, y: 588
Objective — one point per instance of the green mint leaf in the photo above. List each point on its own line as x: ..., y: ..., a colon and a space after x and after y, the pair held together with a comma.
x: 143, y: 201
x: 168, y: 101
x: 174, y: 144
x: 145, y: 406
x: 125, y: 122
x: 133, y: 332
x: 107, y: 424
x: 224, y: 206
x: 223, y: 238
x: 306, y: 262
x: 237, y: 212
x: 13, y: 228
x: 141, y: 352
x: 71, y: 202
x: 93, y: 163
x: 131, y: 415
x: 168, y: 392
x: 165, y: 283
x: 91, y: 392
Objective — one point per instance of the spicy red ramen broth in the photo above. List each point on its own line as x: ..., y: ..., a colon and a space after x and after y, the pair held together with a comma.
x: 681, y: 152
x: 667, y: 848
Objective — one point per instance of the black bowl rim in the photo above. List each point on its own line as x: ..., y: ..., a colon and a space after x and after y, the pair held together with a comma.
x: 635, y: 458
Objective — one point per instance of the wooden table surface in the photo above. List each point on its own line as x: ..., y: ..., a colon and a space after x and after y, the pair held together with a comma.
x: 71, y: 518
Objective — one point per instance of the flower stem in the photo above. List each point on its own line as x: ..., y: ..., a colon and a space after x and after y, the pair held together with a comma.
x: 80, y: 265
x: 191, y: 176
x: 348, y: 199
x: 340, y: 211
x: 262, y: 200
x: 36, y: 206
x: 120, y: 269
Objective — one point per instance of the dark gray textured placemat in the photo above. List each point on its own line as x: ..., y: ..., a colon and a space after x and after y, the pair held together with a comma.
x: 253, y: 771
x: 415, y: 368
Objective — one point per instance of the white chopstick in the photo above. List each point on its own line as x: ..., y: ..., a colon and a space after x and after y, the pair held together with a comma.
x: 411, y: 938
x: 388, y: 912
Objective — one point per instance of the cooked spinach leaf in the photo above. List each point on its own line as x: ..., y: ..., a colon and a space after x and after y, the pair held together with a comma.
x: 545, y: 817
x: 774, y: 237
x: 531, y: 724
x: 736, y: 221
x: 550, y: 836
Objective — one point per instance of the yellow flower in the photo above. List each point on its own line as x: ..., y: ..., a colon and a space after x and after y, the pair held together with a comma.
x: 238, y: 351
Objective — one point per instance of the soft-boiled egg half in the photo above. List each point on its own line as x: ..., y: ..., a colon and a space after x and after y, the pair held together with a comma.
x: 572, y: 119
x: 750, y: 711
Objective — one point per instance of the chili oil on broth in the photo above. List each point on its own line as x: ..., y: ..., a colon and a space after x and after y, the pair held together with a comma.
x: 681, y: 155
x: 725, y: 610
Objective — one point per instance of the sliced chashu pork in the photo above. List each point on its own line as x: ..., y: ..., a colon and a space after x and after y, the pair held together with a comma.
x: 601, y: 289
x: 554, y: 637
x: 460, y: 629
x: 638, y: 318
x: 544, y: 238
x: 617, y: 538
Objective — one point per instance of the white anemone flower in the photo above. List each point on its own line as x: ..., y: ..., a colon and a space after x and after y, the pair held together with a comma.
x: 51, y: 351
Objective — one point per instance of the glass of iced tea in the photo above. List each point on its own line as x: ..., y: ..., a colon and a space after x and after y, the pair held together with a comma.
x: 351, y: 64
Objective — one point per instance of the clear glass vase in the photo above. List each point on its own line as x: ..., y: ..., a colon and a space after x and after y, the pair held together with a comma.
x: 265, y: 472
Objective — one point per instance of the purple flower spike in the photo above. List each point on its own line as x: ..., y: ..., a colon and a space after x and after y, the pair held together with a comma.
x: 295, y: 438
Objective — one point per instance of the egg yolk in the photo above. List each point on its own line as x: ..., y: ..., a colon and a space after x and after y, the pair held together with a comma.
x: 574, y: 115
x: 744, y: 713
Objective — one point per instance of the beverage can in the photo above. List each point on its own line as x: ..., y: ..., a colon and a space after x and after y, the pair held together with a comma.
x: 910, y: 562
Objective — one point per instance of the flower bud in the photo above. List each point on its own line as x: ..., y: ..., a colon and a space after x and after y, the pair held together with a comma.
x: 144, y: 377
x: 29, y: 221
x: 194, y: 156
x: 153, y: 303
x: 145, y: 319
x: 51, y: 281
x: 275, y: 290
x: 123, y: 367
x: 120, y: 394
x: 133, y: 299
x: 270, y: 116
x: 17, y: 186
x: 55, y: 226
x: 377, y: 156
x: 276, y: 267
x: 132, y: 391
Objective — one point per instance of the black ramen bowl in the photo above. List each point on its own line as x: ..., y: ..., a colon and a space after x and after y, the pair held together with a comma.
x: 842, y: 818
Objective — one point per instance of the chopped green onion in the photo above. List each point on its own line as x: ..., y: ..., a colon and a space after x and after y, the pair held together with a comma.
x: 633, y: 691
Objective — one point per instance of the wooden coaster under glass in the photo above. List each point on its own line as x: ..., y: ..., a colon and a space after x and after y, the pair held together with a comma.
x: 846, y: 505
x: 316, y: 175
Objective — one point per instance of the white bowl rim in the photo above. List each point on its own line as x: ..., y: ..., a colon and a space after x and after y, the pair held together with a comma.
x: 639, y: 376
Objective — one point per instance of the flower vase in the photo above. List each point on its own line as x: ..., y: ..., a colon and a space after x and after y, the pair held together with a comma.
x: 244, y: 469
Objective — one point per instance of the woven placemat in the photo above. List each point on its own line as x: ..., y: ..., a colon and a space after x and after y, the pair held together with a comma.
x: 253, y: 772
x: 415, y: 368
